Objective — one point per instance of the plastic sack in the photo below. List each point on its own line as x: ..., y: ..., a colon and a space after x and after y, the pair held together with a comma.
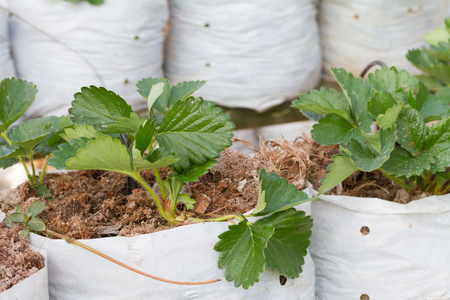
x: 381, y: 249
x: 356, y: 32
x: 61, y: 46
x: 254, y: 53
x: 6, y: 62
x: 183, y: 253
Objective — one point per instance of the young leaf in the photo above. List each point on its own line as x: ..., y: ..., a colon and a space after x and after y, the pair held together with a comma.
x: 16, y: 96
x: 186, y: 200
x: 80, y: 131
x: 66, y: 151
x: 242, y: 252
x: 31, y: 133
x: 288, y: 245
x: 196, y: 131
x: 35, y: 208
x: 183, y: 90
x: 429, y: 64
x: 98, y: 107
x: 194, y: 172
x: 388, y: 119
x: 276, y: 194
x: 144, y: 135
x: 412, y: 130
x: 392, y: 81
x: 36, y: 224
x: 125, y: 125
x: 24, y: 233
x: 16, y: 217
x: 341, y: 168
x: 161, y: 102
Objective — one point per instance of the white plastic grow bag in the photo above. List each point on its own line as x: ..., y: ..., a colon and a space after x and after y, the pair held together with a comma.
x: 34, y: 287
x: 403, y: 252
x: 61, y: 46
x: 183, y: 253
x: 6, y: 62
x: 253, y: 53
x: 355, y: 32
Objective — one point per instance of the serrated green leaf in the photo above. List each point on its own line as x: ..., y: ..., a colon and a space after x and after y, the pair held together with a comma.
x: 151, y: 162
x: 36, y: 224
x: 144, y: 135
x: 392, y: 81
x: 276, y: 194
x: 80, y: 131
x: 35, y: 208
x: 366, y: 158
x: 429, y: 64
x: 356, y: 90
x: 341, y: 168
x: 324, y: 102
x: 381, y: 102
x: 333, y: 129
x: 23, y: 233
x: 387, y: 120
x: 288, y: 245
x: 440, y: 51
x: 194, y: 172
x: 10, y: 152
x: 16, y: 96
x: 183, y: 90
x: 126, y: 125
x: 155, y: 91
x: 8, y: 162
x: 443, y: 95
x: 432, y: 83
x: 188, y: 201
x: 66, y: 151
x: 98, y: 107
x: 50, y: 144
x: 144, y: 87
x: 403, y: 163
x: 29, y: 134
x: 196, y: 131
x: 242, y: 252
x: 434, y: 37
x: 412, y: 130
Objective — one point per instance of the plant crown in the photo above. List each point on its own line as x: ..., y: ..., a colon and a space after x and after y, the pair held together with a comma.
x: 405, y: 146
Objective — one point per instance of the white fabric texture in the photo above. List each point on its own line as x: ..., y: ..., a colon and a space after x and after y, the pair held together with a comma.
x: 61, y: 46
x: 355, y: 32
x: 406, y: 254
x: 253, y: 53
x: 183, y: 253
x: 6, y: 62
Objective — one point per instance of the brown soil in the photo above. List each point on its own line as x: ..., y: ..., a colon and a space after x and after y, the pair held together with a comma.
x: 17, y: 261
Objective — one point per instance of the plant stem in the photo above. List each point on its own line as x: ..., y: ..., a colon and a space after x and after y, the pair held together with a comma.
x: 41, y: 179
x: 219, y: 219
x: 396, y: 180
x: 169, y: 218
x: 72, y: 241
x: 160, y: 184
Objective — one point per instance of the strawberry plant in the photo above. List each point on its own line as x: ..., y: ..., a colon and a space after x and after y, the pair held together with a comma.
x: 405, y: 146
x: 185, y: 134
x: 36, y: 136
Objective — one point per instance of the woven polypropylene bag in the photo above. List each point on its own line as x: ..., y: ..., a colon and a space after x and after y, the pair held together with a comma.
x: 61, y: 46
x: 254, y: 54
x: 355, y: 32
x: 6, y: 62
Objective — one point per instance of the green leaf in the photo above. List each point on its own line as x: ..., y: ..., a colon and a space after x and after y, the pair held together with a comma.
x: 432, y: 83
x: 242, y: 252
x: 10, y: 152
x: 188, y: 201
x: 429, y: 64
x: 29, y: 134
x: 8, y: 162
x: 341, y: 168
x: 412, y: 130
x: 161, y: 102
x: 23, y: 233
x: 325, y: 102
x: 66, y: 151
x: 16, y: 217
x: 276, y: 194
x: 333, y: 129
x: 98, y: 107
x: 381, y: 102
x: 79, y: 131
x: 36, y: 224
x: 58, y: 125
x: 366, y: 158
x: 183, y: 90
x: 125, y: 124
x: 196, y: 131
x: 150, y: 162
x: 392, y: 81
x: 436, y: 36
x: 16, y: 96
x: 443, y: 95
x: 144, y: 135
x: 194, y: 172
x: 387, y: 120
x: 35, y: 208
x: 288, y: 245
x: 356, y: 90
x: 403, y: 163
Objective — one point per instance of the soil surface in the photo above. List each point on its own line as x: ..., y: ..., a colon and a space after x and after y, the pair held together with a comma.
x: 92, y: 204
x: 17, y: 261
